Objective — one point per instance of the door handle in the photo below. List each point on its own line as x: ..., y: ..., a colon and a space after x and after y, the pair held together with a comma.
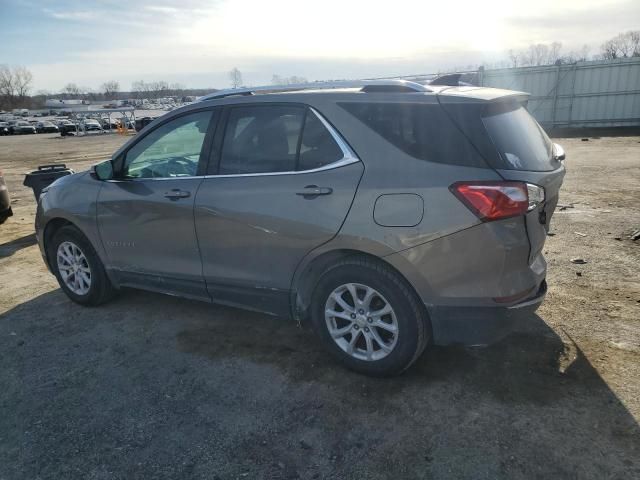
x: 176, y: 193
x: 312, y: 191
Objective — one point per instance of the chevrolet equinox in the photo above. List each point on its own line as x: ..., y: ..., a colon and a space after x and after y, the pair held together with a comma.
x: 389, y: 214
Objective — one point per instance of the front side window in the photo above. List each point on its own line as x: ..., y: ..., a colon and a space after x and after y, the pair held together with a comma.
x: 275, y: 138
x: 171, y: 150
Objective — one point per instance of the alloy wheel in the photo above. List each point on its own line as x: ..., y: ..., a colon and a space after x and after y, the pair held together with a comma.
x: 361, y: 321
x: 74, y: 268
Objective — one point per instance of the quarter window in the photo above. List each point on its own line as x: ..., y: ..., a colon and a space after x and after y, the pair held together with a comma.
x: 171, y: 150
x: 318, y: 148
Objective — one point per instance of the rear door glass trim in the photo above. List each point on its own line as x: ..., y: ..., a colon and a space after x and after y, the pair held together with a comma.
x: 348, y: 158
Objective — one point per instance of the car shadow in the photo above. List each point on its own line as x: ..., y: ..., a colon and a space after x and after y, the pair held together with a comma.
x: 9, y: 248
x: 150, y: 384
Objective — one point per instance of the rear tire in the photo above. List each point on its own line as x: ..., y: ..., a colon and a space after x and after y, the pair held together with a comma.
x: 78, y: 268
x: 380, y: 333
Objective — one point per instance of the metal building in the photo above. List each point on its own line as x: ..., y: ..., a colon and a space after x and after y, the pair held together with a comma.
x: 584, y: 94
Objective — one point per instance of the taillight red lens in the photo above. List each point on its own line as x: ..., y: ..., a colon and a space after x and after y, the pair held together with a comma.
x: 493, y: 200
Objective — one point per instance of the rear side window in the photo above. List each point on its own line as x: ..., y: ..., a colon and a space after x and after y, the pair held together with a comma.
x: 275, y: 138
x: 521, y: 142
x: 261, y: 139
x: 423, y: 131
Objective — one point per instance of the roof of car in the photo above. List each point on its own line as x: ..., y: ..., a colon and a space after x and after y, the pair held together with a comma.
x: 379, y: 91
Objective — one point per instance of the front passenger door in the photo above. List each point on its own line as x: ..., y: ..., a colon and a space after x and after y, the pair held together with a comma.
x: 145, y: 215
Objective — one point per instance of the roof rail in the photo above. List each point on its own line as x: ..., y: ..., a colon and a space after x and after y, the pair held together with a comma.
x: 365, y: 85
x: 449, y: 80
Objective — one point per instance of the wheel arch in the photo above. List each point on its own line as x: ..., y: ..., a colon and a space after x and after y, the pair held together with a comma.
x: 309, y: 274
x: 50, y: 229
x: 53, y: 225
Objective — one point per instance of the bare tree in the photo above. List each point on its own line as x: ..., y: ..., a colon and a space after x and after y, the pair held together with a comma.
x: 576, y: 55
x: 553, y: 54
x: 621, y: 46
x: 514, y: 58
x: 158, y: 89
x: 150, y: 90
x: 176, y: 89
x: 22, y: 81
x: 111, y: 89
x: 15, y: 85
x: 634, y: 38
x: 71, y: 90
x: 292, y: 80
x: 6, y: 87
x: 138, y: 88
x: 583, y: 54
x: 609, y: 50
x: 235, y: 77
x: 537, y: 54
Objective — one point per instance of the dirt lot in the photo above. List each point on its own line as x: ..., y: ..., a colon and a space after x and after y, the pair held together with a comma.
x: 151, y: 386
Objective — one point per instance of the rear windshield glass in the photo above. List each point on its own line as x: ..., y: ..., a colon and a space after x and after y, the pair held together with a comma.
x: 522, y: 143
x: 423, y: 131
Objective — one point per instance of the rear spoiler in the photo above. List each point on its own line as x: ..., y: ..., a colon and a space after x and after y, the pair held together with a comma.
x: 479, y: 94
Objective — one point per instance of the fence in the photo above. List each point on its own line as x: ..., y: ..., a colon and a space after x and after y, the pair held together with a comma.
x: 585, y: 94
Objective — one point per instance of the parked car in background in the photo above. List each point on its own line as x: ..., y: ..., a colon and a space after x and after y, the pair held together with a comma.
x: 66, y: 127
x: 90, y: 125
x: 142, y: 122
x: 21, y: 127
x: 109, y: 124
x: 46, y: 127
x: 388, y: 214
x: 5, y: 200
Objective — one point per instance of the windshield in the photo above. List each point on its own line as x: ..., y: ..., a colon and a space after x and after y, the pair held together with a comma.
x: 521, y: 141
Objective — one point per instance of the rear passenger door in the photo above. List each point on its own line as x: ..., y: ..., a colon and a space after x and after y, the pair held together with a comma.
x: 281, y: 181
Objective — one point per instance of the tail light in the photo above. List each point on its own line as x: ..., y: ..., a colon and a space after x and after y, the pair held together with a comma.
x: 491, y: 200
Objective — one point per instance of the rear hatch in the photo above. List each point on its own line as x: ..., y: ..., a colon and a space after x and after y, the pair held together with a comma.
x: 515, y: 146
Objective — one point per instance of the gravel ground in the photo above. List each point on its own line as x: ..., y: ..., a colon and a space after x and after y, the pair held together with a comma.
x: 153, y: 387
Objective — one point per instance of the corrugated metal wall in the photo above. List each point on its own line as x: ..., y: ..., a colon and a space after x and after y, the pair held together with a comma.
x: 586, y: 94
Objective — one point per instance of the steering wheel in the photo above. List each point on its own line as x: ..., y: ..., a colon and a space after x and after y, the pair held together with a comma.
x: 180, y: 166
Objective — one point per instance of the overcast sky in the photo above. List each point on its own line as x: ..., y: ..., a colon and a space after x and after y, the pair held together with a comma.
x: 196, y: 42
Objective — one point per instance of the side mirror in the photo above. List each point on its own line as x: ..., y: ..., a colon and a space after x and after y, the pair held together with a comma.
x: 102, y: 170
x: 558, y: 152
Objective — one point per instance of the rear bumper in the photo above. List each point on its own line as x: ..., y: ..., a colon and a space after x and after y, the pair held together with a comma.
x: 481, y: 325
x: 477, y: 283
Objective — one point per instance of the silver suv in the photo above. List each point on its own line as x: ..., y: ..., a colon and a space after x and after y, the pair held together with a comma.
x: 389, y: 214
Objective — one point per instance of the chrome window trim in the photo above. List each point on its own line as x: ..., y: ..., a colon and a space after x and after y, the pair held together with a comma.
x: 329, y: 166
x: 348, y: 158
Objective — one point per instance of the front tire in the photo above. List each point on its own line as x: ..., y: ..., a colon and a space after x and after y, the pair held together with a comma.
x: 78, y: 268
x: 369, y: 318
